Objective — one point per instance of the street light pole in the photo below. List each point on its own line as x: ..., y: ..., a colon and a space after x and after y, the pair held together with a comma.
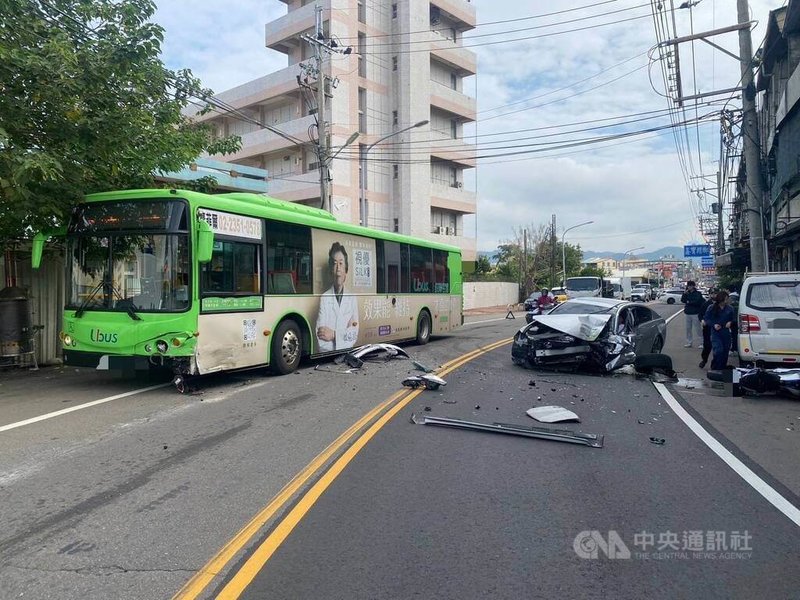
x: 564, y: 252
x: 622, y: 281
x: 362, y: 180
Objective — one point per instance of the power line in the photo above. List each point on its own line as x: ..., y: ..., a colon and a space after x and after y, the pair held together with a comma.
x: 521, y: 39
x: 539, y: 16
x: 531, y: 28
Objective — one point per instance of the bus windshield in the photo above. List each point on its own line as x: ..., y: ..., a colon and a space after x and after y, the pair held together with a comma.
x: 129, y: 256
x: 583, y: 284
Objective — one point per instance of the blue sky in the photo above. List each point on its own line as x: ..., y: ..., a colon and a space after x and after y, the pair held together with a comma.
x: 633, y: 190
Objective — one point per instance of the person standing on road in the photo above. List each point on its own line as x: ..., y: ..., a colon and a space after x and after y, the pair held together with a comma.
x: 693, y: 300
x: 719, y: 318
x: 704, y: 354
x: 733, y: 300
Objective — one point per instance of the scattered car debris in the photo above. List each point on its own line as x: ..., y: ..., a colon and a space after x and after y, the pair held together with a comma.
x: 330, y: 370
x: 382, y: 352
x: 556, y: 435
x: 656, y: 365
x: 658, y: 441
x: 552, y: 414
x: 429, y: 382
x: 420, y: 367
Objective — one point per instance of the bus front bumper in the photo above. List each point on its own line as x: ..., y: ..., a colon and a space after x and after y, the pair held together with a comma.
x: 106, y: 362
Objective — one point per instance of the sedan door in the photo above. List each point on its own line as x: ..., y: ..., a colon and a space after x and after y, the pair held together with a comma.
x: 646, y: 328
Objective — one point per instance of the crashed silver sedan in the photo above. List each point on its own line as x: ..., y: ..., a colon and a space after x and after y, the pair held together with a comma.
x: 598, y: 334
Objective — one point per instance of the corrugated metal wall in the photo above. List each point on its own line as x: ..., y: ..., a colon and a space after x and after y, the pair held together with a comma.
x: 46, y: 289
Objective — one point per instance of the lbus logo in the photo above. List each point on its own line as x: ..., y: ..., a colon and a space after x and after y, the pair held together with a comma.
x: 102, y: 337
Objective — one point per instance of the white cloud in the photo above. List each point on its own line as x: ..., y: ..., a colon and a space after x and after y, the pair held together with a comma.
x: 625, y: 186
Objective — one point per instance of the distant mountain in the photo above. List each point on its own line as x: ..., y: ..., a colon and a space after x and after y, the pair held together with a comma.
x: 675, y: 252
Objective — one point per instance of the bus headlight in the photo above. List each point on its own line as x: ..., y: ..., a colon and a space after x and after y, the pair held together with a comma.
x: 67, y: 340
x: 162, y: 346
x: 148, y: 348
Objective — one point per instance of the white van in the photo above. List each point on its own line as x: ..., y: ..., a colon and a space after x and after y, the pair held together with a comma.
x: 769, y: 319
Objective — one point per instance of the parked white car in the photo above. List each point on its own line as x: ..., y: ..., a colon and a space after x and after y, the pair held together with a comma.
x: 769, y: 320
x: 641, y: 293
x: 671, y: 296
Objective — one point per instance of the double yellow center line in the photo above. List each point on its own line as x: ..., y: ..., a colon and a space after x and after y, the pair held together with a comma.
x: 394, y: 404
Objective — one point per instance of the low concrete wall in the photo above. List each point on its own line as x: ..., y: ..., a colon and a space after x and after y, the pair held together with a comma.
x: 479, y: 294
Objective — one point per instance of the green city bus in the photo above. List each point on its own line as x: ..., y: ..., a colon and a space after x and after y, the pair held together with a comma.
x: 205, y: 283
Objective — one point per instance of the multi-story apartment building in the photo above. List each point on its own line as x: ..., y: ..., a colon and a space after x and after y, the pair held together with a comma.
x: 407, y: 67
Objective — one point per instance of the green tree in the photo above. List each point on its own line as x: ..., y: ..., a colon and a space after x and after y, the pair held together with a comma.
x: 592, y: 271
x: 87, y: 105
x: 482, y: 265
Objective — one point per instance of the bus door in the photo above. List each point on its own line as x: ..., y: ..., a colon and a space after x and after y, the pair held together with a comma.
x: 232, y: 320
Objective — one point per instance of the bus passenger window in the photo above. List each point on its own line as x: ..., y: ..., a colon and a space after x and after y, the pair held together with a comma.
x: 288, y: 258
x: 441, y: 282
x: 421, y: 270
x: 234, y: 268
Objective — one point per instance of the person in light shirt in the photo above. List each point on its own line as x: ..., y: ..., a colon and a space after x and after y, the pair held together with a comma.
x: 337, y: 321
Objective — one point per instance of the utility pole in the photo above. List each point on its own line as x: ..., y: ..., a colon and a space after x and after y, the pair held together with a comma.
x: 553, y: 253
x: 752, y: 155
x: 525, y: 261
x: 322, y: 47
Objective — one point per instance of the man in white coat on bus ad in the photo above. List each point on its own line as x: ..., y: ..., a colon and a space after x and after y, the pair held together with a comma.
x: 337, y: 322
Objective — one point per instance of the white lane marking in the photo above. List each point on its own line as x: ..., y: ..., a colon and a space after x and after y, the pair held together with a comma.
x: 58, y: 413
x: 486, y: 321
x: 758, y: 484
x: 673, y: 316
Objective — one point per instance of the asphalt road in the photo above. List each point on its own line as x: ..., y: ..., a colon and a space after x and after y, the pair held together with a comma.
x: 133, y: 497
x: 438, y: 513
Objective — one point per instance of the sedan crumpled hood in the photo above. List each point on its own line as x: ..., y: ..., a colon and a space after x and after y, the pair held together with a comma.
x: 583, y: 327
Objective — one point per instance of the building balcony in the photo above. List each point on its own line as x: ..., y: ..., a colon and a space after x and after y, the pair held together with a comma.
x: 460, y: 11
x: 456, y: 57
x: 455, y: 151
x: 267, y: 90
x: 294, y: 187
x: 452, y: 101
x: 453, y: 198
x: 468, y: 245
x: 265, y: 141
x: 283, y: 34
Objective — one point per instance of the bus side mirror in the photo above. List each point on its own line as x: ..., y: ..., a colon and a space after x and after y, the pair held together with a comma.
x: 37, y: 249
x: 205, y: 241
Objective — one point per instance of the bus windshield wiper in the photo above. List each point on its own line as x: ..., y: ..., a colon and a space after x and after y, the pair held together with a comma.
x: 85, y: 304
x: 128, y: 304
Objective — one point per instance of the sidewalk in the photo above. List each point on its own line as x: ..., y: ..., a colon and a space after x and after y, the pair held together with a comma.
x: 766, y: 429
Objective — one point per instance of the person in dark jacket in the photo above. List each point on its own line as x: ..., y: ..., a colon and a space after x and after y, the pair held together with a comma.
x: 734, y: 302
x: 693, y: 301
x: 706, y: 334
x: 719, y: 318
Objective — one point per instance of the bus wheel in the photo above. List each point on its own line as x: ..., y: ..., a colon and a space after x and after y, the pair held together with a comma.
x: 287, y: 347
x: 424, y: 328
